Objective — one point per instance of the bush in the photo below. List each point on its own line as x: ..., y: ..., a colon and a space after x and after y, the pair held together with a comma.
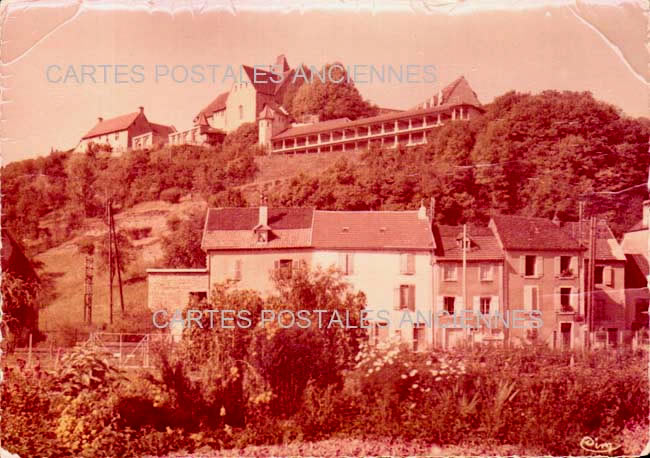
x: 171, y: 195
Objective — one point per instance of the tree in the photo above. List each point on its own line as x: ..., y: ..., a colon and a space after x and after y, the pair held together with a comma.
x: 330, y: 94
x: 20, y: 308
x: 182, y: 247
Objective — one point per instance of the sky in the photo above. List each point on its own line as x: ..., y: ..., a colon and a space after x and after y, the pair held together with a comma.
x: 497, y: 45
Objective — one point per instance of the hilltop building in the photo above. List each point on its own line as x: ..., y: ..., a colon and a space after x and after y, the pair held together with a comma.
x: 122, y: 133
x: 259, y: 96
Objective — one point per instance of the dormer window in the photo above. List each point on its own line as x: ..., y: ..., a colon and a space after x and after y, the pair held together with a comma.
x: 262, y: 236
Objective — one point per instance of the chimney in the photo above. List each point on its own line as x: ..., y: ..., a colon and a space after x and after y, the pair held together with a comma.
x: 141, y: 110
x: 646, y: 213
x: 100, y: 119
x: 264, y: 215
x: 422, y: 211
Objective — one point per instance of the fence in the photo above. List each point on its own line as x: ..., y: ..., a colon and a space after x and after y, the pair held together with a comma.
x: 123, y: 349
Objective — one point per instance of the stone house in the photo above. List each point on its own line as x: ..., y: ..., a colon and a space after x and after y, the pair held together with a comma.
x: 478, y: 287
x: 386, y: 255
x: 125, y: 132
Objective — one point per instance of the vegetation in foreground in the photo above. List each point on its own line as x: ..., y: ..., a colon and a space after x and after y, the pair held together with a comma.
x: 228, y: 390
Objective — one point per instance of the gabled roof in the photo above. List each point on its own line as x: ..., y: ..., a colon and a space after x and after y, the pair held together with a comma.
x: 232, y: 228
x: 637, y: 270
x: 532, y: 234
x: 161, y: 129
x: 458, y: 92
x: 371, y: 230
x: 108, y: 126
x: 263, y: 81
x: 607, y: 247
x: 218, y: 104
x: 484, y: 244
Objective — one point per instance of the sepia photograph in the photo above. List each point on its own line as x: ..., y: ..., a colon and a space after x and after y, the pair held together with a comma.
x: 248, y: 228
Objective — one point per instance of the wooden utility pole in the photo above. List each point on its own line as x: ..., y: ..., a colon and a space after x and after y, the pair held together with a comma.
x: 118, y: 263
x: 465, y: 272
x: 110, y: 261
x: 591, y: 283
x: 88, y: 296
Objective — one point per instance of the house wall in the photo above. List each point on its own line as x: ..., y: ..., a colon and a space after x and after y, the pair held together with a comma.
x: 256, y: 266
x: 548, y: 283
x: 170, y: 289
x: 613, y: 297
x: 242, y: 94
x: 476, y: 288
x: 635, y: 242
x: 119, y: 141
x: 378, y: 275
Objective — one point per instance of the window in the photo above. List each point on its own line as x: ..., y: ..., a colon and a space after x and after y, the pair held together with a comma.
x: 284, y: 267
x: 262, y: 237
x: 418, y: 336
x: 346, y: 263
x: 486, y: 272
x: 531, y: 301
x: 241, y: 112
x: 450, y: 272
x: 379, y: 332
x: 599, y: 275
x: 565, y: 298
x: 531, y: 262
x: 236, y: 274
x: 565, y: 330
x: 449, y: 304
x: 406, y: 297
x: 407, y: 263
x: 565, y: 266
x: 485, y: 305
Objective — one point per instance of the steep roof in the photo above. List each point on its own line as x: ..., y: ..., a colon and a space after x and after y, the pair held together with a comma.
x: 232, y: 228
x: 535, y: 234
x: 263, y: 81
x: 458, y: 92
x: 218, y: 104
x: 108, y: 126
x: 371, y: 230
x: 484, y: 244
x: 607, y: 247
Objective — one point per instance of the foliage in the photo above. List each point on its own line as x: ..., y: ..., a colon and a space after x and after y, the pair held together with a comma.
x: 330, y: 94
x: 182, y: 245
x: 20, y: 304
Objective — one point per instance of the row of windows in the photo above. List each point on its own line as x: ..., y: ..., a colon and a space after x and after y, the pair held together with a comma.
x: 485, y: 272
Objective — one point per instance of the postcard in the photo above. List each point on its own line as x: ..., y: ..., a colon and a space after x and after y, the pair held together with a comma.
x: 318, y: 228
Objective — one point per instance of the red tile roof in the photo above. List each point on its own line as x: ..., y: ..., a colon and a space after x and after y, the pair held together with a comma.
x: 232, y: 228
x: 161, y: 129
x: 484, y: 244
x: 108, y: 126
x: 218, y: 104
x: 371, y: 230
x: 263, y: 81
x: 457, y: 92
x: 607, y: 247
x: 534, y: 234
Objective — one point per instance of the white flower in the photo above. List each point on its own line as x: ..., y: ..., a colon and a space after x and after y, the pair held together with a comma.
x: 428, y: 363
x: 403, y: 376
x: 370, y: 371
x: 413, y: 372
x: 438, y: 379
x: 414, y: 386
x: 434, y: 373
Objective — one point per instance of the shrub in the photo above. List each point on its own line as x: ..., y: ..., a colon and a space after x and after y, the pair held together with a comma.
x: 171, y: 195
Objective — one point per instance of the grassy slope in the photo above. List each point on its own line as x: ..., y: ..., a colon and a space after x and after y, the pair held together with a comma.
x: 65, y: 266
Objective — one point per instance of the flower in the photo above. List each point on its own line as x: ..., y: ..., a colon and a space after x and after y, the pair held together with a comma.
x: 413, y: 372
x: 438, y: 379
x: 404, y: 376
x: 223, y: 411
x: 428, y: 363
x: 414, y: 386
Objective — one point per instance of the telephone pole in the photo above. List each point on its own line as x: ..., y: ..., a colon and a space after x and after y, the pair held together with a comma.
x: 110, y: 261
